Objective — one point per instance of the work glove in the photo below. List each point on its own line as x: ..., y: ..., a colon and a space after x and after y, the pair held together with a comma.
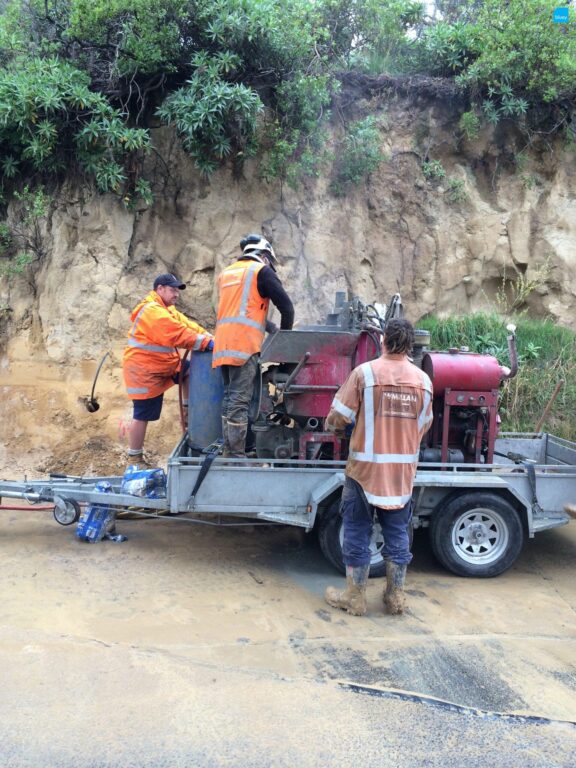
x: 210, y: 346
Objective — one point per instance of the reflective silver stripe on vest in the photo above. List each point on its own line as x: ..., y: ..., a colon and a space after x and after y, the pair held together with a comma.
x: 147, y: 347
x: 388, y: 501
x: 423, y: 413
x: 247, y: 288
x: 343, y: 409
x: 232, y: 353
x: 137, y: 390
x: 366, y: 369
x: 150, y: 347
x: 241, y: 321
x: 385, y: 458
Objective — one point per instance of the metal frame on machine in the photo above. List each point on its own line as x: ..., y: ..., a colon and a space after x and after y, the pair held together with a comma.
x: 485, y: 403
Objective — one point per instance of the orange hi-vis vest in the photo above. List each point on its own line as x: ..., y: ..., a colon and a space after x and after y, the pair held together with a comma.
x: 242, y: 312
x: 390, y: 399
x: 151, y: 356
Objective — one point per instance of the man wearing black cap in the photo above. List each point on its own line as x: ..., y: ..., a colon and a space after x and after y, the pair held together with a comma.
x: 151, y: 363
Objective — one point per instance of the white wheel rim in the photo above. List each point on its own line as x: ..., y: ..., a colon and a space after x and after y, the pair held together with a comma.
x: 65, y: 514
x: 480, y: 536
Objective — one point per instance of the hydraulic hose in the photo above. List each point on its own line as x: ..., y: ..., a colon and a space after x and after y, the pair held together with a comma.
x: 183, y: 408
x: 30, y: 506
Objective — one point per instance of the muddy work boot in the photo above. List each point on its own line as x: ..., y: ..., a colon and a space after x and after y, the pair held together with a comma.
x: 226, y: 442
x: 237, y: 433
x: 394, y: 598
x: 353, y: 598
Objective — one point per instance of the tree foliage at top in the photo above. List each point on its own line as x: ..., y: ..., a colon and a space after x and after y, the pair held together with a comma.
x: 81, y: 80
x: 509, y: 56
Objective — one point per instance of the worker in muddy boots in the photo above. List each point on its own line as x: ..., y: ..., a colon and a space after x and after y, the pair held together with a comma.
x: 389, y: 403
x: 151, y: 363
x: 245, y: 290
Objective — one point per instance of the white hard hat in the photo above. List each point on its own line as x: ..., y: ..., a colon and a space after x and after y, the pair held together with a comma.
x: 257, y: 245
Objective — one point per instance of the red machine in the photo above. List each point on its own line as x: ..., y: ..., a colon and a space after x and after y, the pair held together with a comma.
x: 302, y: 369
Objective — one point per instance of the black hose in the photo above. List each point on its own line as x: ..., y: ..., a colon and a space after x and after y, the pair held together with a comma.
x: 183, y: 407
x: 375, y: 338
x: 92, y: 405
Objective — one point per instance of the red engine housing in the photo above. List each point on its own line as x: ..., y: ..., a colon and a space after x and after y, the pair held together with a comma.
x: 461, y: 370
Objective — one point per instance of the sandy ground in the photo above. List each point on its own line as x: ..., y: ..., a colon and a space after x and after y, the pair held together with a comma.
x: 46, y: 427
x: 192, y: 645
x: 189, y: 645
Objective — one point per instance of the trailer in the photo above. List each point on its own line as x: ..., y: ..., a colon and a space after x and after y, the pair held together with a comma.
x: 478, y: 515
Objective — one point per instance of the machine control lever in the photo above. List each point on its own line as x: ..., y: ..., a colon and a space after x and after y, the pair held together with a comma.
x: 286, y: 385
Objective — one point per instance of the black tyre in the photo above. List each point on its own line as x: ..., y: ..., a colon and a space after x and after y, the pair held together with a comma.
x: 330, y: 538
x: 476, y: 534
x: 66, y: 511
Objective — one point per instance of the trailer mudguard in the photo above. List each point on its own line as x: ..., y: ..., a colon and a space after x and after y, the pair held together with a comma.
x: 321, y: 492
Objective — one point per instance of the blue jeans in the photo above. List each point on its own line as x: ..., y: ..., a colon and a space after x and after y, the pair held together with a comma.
x: 358, y: 517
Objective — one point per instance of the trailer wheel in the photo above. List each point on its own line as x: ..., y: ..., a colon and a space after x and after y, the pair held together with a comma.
x: 476, y: 534
x: 66, y: 511
x: 331, y: 536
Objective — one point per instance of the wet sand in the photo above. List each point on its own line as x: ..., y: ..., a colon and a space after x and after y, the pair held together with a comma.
x: 192, y: 645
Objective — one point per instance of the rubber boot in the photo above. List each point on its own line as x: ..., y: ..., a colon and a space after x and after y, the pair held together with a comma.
x: 226, y: 443
x: 237, y: 432
x: 394, y: 598
x: 353, y: 598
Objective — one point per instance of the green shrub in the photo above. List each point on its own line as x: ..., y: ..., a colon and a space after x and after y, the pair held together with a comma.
x: 433, y: 170
x: 469, y: 124
x: 456, y: 191
x: 23, y: 242
x: 212, y: 116
x: 359, y: 154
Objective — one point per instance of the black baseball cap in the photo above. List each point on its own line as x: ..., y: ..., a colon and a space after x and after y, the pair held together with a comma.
x: 170, y: 280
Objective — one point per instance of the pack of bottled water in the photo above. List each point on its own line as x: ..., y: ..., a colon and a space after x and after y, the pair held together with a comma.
x: 146, y: 483
x: 97, y: 520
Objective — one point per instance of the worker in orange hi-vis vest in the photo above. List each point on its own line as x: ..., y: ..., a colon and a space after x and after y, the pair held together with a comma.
x: 245, y: 289
x: 151, y: 363
x: 389, y: 402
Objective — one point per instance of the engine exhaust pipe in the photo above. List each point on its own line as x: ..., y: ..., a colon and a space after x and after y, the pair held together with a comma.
x: 505, y: 372
x: 312, y: 423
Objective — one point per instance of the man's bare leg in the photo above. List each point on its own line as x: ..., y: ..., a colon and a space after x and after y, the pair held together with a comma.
x: 136, y: 437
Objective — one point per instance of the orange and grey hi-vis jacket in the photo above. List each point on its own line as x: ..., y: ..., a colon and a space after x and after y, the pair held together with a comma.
x: 391, y: 401
x: 151, y: 356
x: 242, y: 312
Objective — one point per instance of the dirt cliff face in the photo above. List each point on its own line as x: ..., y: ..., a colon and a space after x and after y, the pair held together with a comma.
x: 495, y: 222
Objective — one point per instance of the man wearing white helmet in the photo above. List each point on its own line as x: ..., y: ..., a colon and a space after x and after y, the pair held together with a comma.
x: 246, y: 289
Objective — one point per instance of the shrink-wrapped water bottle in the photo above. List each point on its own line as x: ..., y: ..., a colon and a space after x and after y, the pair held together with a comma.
x: 97, y: 519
